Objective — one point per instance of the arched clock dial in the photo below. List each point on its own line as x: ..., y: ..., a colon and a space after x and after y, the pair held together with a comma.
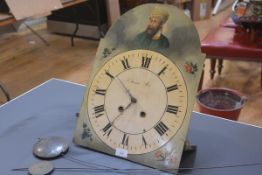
x: 141, y: 92
x: 137, y: 101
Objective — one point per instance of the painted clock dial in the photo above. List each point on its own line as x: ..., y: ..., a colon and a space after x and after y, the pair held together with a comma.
x: 137, y: 101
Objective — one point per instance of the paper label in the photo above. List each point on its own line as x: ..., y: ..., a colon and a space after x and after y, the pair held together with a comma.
x: 121, y: 152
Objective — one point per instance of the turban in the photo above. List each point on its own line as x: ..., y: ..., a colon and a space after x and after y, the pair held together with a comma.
x: 160, y: 13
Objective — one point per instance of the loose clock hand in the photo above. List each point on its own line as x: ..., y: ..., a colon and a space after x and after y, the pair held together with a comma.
x: 133, y: 99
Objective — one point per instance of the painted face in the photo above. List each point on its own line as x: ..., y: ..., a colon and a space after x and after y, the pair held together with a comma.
x: 153, y: 26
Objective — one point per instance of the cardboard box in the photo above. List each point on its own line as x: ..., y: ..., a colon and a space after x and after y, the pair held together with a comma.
x: 201, y: 9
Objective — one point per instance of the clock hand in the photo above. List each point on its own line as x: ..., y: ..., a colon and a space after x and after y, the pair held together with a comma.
x: 133, y: 99
x: 129, y: 104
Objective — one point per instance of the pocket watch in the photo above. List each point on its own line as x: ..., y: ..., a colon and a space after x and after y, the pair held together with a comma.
x: 141, y: 91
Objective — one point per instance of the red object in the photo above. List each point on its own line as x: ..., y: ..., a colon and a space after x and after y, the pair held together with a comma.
x: 232, y: 42
x: 221, y: 102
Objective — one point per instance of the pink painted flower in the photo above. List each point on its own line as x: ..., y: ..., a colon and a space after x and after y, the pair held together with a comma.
x: 174, y: 160
x: 158, y: 153
x: 188, y: 68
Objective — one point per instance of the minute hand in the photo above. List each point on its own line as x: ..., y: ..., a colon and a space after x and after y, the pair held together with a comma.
x: 133, y: 99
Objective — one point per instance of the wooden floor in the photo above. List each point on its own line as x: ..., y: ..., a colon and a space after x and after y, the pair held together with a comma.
x: 26, y: 62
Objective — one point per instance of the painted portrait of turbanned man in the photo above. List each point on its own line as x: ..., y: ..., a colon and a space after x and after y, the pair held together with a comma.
x: 152, y: 37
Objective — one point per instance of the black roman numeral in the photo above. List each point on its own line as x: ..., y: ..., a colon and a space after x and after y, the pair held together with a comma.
x: 107, y: 129
x: 161, y: 128
x: 101, y: 92
x: 172, y: 109
x: 125, y: 63
x: 162, y: 71
x: 125, y: 140
x: 108, y: 74
x: 172, y: 88
x: 144, y: 141
x: 145, y: 62
x: 99, y: 110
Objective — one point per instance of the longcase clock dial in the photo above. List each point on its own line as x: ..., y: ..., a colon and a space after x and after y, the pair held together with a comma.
x: 137, y: 101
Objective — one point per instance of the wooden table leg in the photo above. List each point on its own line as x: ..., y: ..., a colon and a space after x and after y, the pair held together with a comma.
x: 5, y: 92
x: 220, y: 66
x: 212, y: 68
x: 261, y: 78
x: 201, y: 79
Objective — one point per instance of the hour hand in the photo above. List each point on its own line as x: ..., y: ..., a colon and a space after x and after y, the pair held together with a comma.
x: 122, y: 110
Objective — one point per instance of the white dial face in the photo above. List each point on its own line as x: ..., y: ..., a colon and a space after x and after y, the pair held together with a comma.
x: 137, y: 101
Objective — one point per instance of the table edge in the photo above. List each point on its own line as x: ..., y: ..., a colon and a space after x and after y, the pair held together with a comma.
x: 78, y: 84
x: 232, y: 121
x: 45, y: 82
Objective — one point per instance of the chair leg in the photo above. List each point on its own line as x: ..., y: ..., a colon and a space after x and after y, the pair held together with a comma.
x: 220, y: 66
x: 212, y: 68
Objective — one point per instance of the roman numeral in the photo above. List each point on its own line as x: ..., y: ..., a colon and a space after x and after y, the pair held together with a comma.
x: 161, y: 128
x: 172, y: 88
x: 108, y: 74
x: 172, y: 109
x: 162, y: 71
x: 101, y: 92
x: 99, y: 110
x: 145, y: 62
x: 144, y: 141
x: 125, y: 63
x: 125, y: 140
x: 107, y: 129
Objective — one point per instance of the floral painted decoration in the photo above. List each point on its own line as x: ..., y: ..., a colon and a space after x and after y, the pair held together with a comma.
x: 191, y: 67
x: 107, y: 51
x: 86, y: 132
x: 162, y: 155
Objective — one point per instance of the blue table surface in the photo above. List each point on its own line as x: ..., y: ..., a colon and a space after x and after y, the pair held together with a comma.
x: 50, y: 110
